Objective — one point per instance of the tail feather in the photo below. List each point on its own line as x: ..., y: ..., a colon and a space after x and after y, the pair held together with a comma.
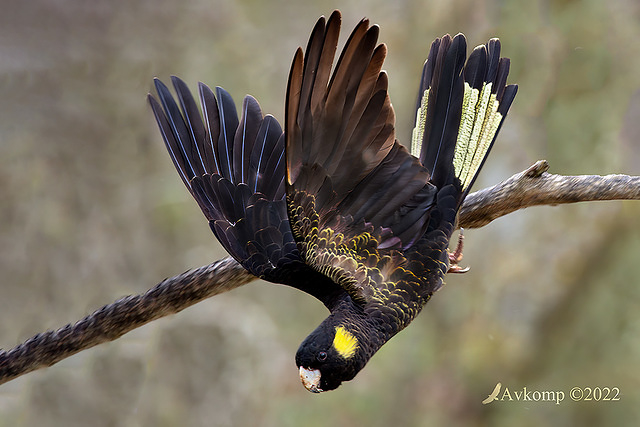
x: 440, y: 109
x: 487, y: 99
x: 460, y: 111
x: 446, y: 106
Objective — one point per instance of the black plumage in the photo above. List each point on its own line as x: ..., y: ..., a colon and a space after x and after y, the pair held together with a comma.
x: 334, y: 205
x: 234, y: 168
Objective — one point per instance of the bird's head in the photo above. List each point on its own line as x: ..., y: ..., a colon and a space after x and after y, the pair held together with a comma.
x: 333, y: 353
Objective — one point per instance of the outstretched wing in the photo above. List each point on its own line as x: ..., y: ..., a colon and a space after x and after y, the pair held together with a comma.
x: 234, y: 168
x: 354, y: 193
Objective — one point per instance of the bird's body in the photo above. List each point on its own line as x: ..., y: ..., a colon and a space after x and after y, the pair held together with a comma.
x: 335, y: 206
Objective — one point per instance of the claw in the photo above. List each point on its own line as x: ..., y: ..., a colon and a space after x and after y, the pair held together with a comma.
x: 456, y: 256
x: 457, y: 269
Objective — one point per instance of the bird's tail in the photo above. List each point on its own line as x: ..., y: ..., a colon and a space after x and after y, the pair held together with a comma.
x: 460, y: 110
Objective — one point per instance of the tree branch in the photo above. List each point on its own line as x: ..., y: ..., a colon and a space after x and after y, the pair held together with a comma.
x: 114, y: 320
x: 532, y: 187
x: 535, y: 187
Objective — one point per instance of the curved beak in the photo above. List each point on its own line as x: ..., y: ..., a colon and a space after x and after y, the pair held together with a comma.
x: 310, y: 379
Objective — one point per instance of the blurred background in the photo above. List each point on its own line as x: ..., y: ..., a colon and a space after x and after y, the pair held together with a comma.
x: 92, y: 209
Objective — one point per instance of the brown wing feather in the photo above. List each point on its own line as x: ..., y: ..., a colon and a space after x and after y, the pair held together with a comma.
x: 325, y: 122
x: 353, y: 192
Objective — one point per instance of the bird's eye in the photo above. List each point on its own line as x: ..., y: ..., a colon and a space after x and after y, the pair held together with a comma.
x: 322, y: 356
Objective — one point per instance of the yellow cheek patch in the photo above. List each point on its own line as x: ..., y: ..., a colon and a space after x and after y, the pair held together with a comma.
x: 345, y: 342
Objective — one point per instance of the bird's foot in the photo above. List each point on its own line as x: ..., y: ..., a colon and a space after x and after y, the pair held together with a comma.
x: 456, y: 256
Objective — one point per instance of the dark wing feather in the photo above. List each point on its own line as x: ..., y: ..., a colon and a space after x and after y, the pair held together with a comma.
x: 267, y: 160
x: 228, y: 129
x: 245, y: 137
x: 352, y: 190
x: 212, y: 119
x: 234, y: 169
x: 321, y: 119
x: 173, y: 130
x: 194, y: 125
